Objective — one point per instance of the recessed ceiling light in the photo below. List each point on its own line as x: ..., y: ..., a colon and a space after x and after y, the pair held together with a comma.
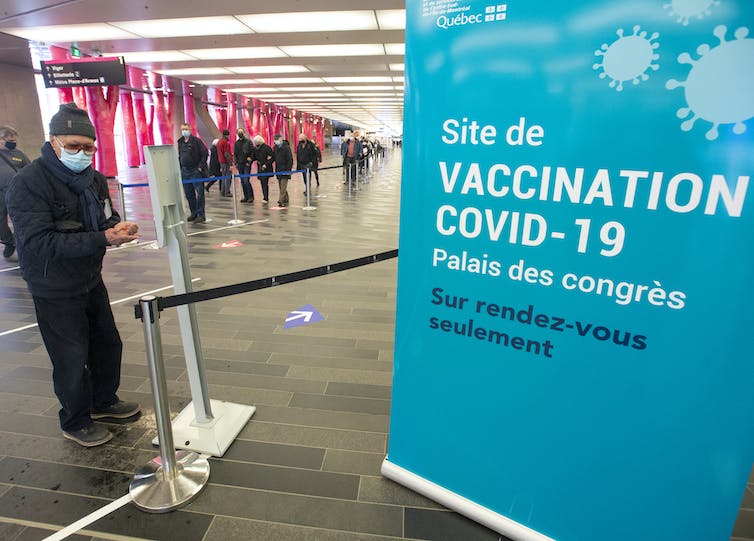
x: 369, y: 94
x: 368, y: 79
x: 268, y: 69
x: 310, y: 21
x: 395, y: 48
x: 154, y: 56
x: 397, y: 67
x: 309, y: 89
x: 289, y: 80
x: 358, y: 49
x: 398, y: 79
x: 363, y: 87
x: 223, y: 82
x: 71, y: 32
x: 235, y: 53
x: 189, y: 26
x: 255, y: 90
x: 391, y: 19
x: 194, y: 71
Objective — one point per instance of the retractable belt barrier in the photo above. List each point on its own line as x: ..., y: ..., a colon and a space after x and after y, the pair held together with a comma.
x: 264, y: 283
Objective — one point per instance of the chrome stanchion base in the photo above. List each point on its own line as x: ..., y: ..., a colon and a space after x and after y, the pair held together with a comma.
x: 309, y: 207
x: 151, y: 492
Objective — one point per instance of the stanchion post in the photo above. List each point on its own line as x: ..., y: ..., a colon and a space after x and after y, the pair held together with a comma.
x: 307, y: 184
x: 122, y: 200
x: 235, y: 220
x: 174, y: 478
x: 356, y: 180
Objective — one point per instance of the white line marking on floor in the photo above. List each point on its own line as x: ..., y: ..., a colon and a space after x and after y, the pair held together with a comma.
x: 227, y: 227
x: 87, y: 520
x: 132, y: 297
x: 10, y: 269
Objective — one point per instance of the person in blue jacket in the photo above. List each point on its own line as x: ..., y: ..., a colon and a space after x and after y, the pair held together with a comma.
x: 64, y: 219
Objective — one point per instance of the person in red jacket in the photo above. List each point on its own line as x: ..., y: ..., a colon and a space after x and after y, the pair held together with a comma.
x: 225, y: 157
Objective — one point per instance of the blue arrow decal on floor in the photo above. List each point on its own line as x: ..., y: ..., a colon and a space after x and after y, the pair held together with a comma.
x: 302, y: 316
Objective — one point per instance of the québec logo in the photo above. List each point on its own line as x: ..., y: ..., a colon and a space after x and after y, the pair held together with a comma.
x: 498, y: 12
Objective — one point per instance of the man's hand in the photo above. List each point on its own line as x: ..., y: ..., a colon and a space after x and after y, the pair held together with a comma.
x: 121, y: 233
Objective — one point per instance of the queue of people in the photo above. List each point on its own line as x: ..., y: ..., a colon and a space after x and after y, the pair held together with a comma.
x: 225, y: 160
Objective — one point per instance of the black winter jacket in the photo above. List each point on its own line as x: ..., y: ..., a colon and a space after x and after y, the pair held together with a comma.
x: 283, y: 159
x: 265, y: 157
x: 58, y: 257
x: 243, y: 152
x: 306, y: 155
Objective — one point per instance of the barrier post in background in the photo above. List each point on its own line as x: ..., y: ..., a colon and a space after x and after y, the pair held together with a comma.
x: 207, y: 426
x: 308, y: 178
x: 174, y: 478
x: 235, y: 220
x: 122, y: 201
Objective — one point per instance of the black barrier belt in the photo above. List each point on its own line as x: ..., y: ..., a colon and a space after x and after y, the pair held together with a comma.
x: 264, y: 283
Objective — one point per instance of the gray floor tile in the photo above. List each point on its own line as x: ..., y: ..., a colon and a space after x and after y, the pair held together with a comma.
x: 382, y: 490
x: 446, y: 526
x: 372, y: 406
x: 326, y: 513
x: 326, y: 419
x: 364, y: 377
x: 288, y: 480
x: 294, y: 456
x: 353, y: 462
x: 315, y: 437
x: 359, y: 390
x: 234, y: 529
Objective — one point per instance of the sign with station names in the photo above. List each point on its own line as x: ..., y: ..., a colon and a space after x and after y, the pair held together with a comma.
x: 92, y: 71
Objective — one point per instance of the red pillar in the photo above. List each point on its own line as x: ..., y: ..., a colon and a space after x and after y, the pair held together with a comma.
x: 129, y: 128
x: 247, y: 116
x: 102, y: 113
x: 143, y: 138
x: 232, y: 113
x: 189, y: 112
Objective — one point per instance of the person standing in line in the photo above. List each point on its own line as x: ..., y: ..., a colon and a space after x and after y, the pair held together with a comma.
x: 264, y: 156
x: 243, y: 153
x: 351, y: 151
x: 192, y: 156
x: 283, y: 162
x: 225, y: 156
x: 214, y: 165
x: 317, y: 160
x: 64, y: 220
x: 11, y: 160
x: 305, y: 157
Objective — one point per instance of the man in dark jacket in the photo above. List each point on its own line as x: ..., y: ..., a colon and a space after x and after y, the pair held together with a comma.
x: 283, y: 162
x: 192, y: 156
x: 351, y: 152
x: 264, y: 156
x: 64, y: 219
x: 11, y: 160
x: 243, y: 154
x: 306, y: 155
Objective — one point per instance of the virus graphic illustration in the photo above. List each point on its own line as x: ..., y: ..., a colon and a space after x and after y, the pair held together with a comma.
x: 628, y: 58
x: 720, y: 86
x: 686, y: 9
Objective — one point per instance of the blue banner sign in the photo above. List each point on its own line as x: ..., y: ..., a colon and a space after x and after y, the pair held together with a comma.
x: 573, y: 354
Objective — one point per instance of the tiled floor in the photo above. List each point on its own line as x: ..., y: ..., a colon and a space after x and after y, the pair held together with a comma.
x: 307, y: 466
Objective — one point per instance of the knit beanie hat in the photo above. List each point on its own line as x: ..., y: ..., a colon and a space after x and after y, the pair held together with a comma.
x: 70, y: 120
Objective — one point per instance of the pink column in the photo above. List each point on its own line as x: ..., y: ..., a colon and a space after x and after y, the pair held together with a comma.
x: 247, y: 116
x: 161, y: 109
x: 58, y: 53
x: 232, y: 114
x: 102, y: 113
x: 143, y: 138
x: 129, y: 128
x: 189, y: 112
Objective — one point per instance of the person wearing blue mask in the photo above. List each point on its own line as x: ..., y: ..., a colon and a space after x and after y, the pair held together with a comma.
x: 11, y: 160
x: 64, y: 219
x: 192, y: 157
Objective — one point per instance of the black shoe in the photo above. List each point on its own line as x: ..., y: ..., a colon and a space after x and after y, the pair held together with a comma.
x: 206, y: 188
x: 8, y: 250
x: 89, y: 436
x: 119, y: 410
x: 244, y: 200
x: 200, y: 220
x: 250, y: 201
x: 265, y: 201
x: 304, y: 193
x: 191, y: 218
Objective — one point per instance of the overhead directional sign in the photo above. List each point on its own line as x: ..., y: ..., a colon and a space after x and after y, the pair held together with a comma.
x: 302, y: 316
x: 90, y: 71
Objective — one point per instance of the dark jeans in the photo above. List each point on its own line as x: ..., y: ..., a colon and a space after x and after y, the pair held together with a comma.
x: 248, y: 191
x: 350, y: 164
x: 85, y: 349
x: 6, y: 236
x: 194, y: 191
x: 264, y: 181
x: 225, y: 183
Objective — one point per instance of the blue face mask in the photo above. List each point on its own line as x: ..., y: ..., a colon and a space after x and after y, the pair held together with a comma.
x: 278, y: 142
x: 185, y: 133
x: 77, y: 161
x: 10, y: 145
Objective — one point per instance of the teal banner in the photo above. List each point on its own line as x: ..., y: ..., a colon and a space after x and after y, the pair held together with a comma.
x: 575, y: 304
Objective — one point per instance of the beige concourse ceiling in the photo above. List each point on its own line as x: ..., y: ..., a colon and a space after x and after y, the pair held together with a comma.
x: 330, y: 58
